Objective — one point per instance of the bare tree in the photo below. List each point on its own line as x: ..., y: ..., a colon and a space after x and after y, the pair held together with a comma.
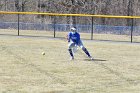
x: 105, y: 7
x: 130, y: 12
x: 21, y: 5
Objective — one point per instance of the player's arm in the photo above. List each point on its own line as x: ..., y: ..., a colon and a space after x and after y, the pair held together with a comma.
x: 78, y: 37
x: 68, y: 37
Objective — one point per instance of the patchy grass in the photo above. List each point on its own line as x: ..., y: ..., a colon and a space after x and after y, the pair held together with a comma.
x: 102, y: 37
x: 24, y: 69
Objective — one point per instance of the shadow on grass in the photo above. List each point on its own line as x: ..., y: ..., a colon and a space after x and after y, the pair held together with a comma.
x: 95, y: 60
x: 32, y: 36
x: 26, y: 35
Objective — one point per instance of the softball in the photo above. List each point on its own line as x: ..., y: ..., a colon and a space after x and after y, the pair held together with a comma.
x: 43, y: 53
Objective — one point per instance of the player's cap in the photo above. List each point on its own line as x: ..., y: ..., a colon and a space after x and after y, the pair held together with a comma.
x: 73, y: 29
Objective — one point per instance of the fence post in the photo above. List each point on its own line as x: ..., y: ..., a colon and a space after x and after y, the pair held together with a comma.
x: 92, y: 30
x: 18, y: 24
x: 18, y: 15
x: 54, y: 25
x: 131, y: 30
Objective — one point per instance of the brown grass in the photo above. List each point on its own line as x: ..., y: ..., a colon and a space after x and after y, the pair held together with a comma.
x: 24, y: 69
x: 35, y: 33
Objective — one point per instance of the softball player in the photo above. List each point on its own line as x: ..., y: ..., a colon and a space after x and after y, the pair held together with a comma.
x: 73, y: 41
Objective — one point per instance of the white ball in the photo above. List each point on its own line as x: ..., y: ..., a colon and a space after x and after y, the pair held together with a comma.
x: 43, y: 53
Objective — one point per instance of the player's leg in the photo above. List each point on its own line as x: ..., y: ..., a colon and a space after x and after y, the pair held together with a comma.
x: 86, y: 51
x: 75, y: 49
x: 80, y: 44
x: 71, y: 45
x: 71, y: 54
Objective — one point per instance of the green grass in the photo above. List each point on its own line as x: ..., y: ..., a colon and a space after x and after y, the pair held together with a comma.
x: 23, y: 68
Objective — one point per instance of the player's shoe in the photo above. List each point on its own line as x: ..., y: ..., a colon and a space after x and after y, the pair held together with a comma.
x: 72, y: 58
x: 91, y: 58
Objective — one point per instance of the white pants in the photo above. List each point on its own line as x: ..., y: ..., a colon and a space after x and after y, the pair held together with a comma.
x: 72, y: 45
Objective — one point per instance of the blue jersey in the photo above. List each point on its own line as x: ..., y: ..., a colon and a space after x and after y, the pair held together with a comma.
x: 74, y: 37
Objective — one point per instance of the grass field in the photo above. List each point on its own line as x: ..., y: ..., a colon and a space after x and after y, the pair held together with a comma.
x: 103, y: 37
x: 23, y: 68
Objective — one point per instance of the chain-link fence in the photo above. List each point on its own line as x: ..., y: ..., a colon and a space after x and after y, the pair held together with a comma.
x: 57, y: 29
x: 101, y: 28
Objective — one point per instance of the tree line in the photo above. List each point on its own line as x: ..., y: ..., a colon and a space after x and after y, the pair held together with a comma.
x: 102, y: 7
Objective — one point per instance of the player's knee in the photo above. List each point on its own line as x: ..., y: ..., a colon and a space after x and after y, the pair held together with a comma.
x: 83, y: 48
x: 71, y: 45
x: 70, y: 50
